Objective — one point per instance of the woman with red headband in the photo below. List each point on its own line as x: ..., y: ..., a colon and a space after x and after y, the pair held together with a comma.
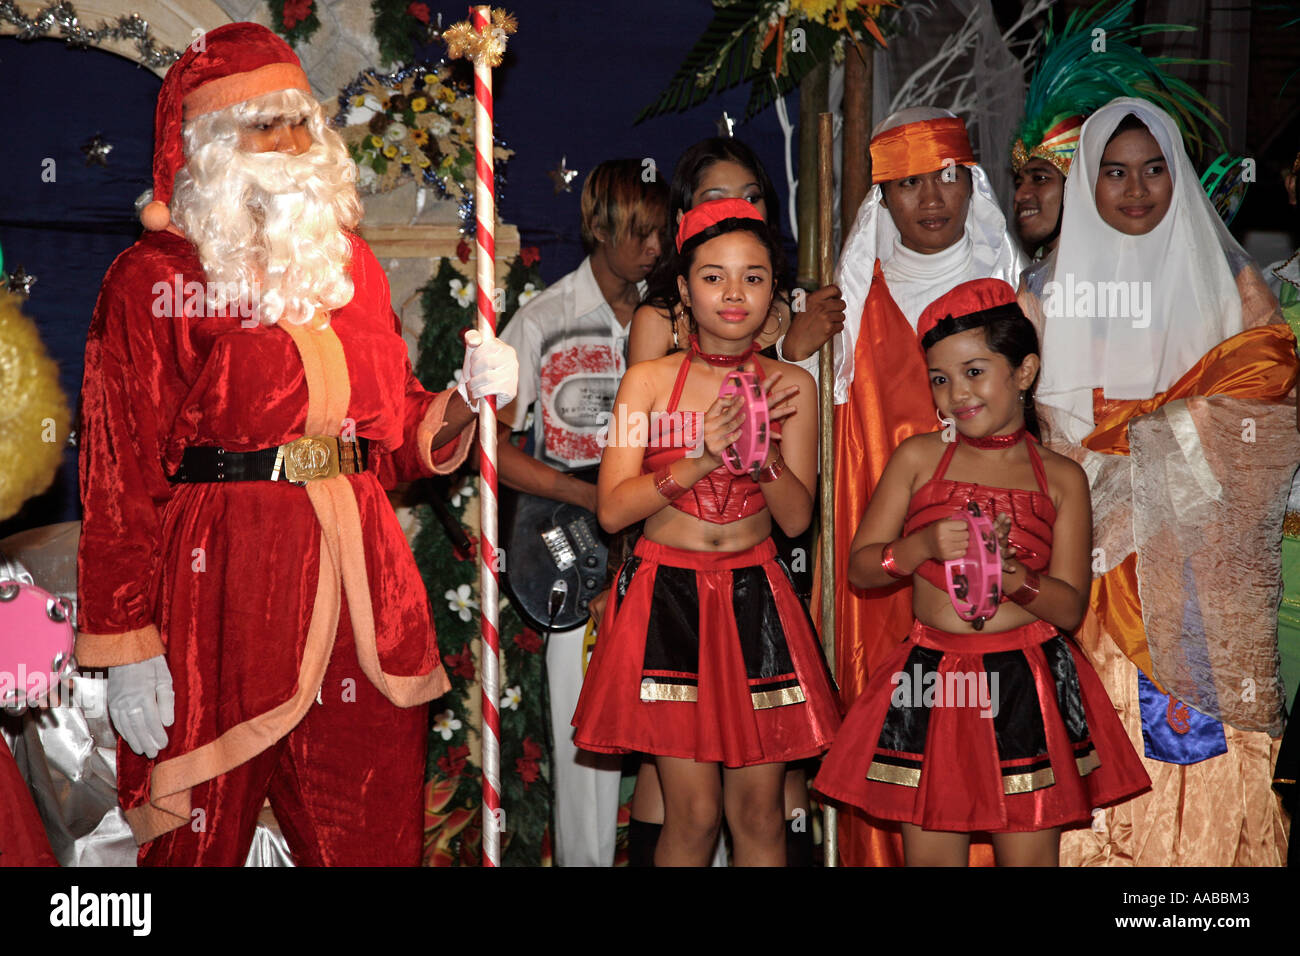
x: 706, y: 654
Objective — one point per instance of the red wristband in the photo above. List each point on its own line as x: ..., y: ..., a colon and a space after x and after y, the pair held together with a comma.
x: 1028, y: 591
x: 666, y: 485
x: 771, y: 472
x: 890, y: 565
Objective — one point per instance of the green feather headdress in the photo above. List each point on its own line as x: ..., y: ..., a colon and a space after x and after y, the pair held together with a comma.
x: 1082, y: 69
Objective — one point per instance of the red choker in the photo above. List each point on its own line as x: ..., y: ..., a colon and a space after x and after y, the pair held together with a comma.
x: 724, y: 361
x: 995, y: 441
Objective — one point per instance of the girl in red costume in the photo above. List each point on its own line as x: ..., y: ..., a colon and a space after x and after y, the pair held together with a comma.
x: 1039, y: 745
x: 706, y: 654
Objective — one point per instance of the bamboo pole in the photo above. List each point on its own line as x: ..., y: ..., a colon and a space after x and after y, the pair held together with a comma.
x: 813, y: 93
x: 855, y: 170
x: 826, y: 401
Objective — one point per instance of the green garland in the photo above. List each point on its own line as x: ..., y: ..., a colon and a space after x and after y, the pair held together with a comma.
x: 453, y: 808
x: 399, y: 25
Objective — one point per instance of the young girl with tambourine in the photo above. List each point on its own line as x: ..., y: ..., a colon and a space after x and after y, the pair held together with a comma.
x: 984, y: 719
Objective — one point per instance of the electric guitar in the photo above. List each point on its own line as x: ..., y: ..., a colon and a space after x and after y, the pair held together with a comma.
x: 555, y: 557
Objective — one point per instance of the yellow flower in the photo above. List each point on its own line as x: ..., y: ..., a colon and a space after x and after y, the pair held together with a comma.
x: 419, y: 104
x: 424, y: 162
x: 359, y: 100
x: 420, y: 137
x: 430, y: 79
x: 813, y: 9
x: 390, y: 150
x: 406, y: 159
x: 374, y: 141
x: 447, y: 95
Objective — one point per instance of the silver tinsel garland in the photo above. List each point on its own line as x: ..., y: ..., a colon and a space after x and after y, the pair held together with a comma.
x: 63, y: 17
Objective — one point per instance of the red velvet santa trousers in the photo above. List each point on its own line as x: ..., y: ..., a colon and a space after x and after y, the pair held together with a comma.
x: 346, y: 784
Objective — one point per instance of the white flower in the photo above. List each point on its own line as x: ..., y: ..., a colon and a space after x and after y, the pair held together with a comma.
x: 462, y: 292
x: 530, y: 292
x: 512, y: 698
x: 461, y: 601
x: 446, y: 724
x: 465, y: 491
x: 439, y: 125
x: 396, y: 132
x: 367, y: 177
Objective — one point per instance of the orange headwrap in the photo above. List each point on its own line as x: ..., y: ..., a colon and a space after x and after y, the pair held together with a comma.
x: 922, y: 147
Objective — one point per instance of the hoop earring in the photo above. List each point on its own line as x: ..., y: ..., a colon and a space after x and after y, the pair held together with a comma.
x: 772, y: 313
x: 945, y: 422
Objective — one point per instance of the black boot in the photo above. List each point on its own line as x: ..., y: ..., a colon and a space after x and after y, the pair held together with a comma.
x: 798, y: 842
x: 642, y: 838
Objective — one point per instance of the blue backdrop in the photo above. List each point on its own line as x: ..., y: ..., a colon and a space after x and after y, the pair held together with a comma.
x: 574, y: 79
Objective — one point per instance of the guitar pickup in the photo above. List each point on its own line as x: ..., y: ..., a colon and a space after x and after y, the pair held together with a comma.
x: 558, y: 545
x: 584, y: 539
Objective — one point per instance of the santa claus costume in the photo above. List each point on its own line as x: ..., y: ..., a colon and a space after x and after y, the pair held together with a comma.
x: 235, y: 536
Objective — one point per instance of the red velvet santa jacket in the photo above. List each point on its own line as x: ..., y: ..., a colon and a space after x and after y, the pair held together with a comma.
x: 240, y: 584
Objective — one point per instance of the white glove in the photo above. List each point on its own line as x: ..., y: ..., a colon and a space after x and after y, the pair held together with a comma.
x: 491, y: 368
x: 141, y: 703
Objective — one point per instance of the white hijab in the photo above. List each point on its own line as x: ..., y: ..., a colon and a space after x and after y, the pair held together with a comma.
x: 1177, y: 279
x: 986, y: 250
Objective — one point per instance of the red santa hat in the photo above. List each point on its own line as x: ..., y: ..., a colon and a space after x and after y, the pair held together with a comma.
x: 969, y: 298
x: 229, y: 65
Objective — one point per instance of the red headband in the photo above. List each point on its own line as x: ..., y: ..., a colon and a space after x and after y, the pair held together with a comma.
x: 916, y: 148
x: 978, y: 295
x: 710, y: 213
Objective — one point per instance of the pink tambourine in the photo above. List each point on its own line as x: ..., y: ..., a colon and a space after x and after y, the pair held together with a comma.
x: 748, y: 452
x: 37, y: 634
x: 975, y: 579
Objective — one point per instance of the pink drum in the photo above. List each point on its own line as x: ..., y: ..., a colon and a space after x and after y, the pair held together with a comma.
x: 37, y: 635
x: 747, y: 454
x: 975, y: 579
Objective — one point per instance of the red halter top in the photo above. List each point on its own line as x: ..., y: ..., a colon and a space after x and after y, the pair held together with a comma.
x: 1032, y: 513
x: 719, y: 497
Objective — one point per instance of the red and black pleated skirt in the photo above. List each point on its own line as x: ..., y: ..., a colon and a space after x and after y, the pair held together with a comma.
x: 707, y: 656
x: 999, y: 733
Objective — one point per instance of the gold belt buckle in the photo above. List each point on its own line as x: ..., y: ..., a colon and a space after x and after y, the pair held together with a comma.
x: 310, y: 458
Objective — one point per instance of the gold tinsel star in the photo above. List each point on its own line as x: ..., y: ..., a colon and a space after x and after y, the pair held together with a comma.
x: 487, y: 47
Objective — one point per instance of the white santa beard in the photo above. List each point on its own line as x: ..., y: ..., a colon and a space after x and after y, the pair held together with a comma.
x: 271, y: 228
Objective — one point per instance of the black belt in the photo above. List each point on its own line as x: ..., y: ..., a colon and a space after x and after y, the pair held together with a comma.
x: 309, y: 458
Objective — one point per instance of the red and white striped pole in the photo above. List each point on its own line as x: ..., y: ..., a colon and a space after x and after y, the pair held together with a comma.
x: 485, y: 214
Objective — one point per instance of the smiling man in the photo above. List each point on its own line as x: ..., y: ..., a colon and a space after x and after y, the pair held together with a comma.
x: 1039, y: 189
x: 930, y: 222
